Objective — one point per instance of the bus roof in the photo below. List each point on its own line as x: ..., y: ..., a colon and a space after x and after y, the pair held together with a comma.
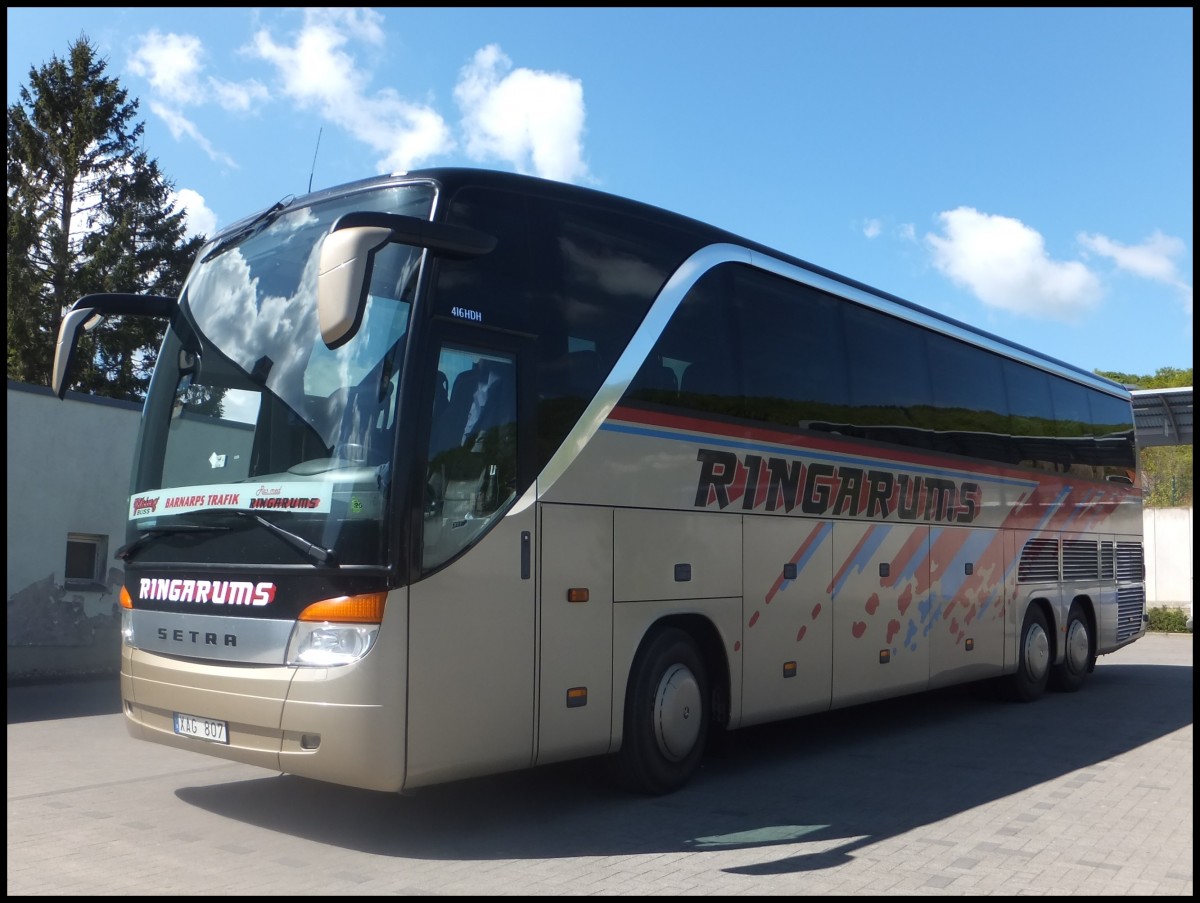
x: 453, y: 178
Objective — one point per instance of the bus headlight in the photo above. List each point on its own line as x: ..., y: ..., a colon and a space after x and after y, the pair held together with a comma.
x: 127, y: 626
x: 327, y: 645
x: 336, y: 631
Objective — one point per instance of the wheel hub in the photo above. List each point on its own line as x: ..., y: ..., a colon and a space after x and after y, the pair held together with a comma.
x: 677, y: 708
x: 1078, y: 647
x: 1037, y: 653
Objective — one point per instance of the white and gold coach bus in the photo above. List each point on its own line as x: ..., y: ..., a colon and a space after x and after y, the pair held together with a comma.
x: 455, y: 472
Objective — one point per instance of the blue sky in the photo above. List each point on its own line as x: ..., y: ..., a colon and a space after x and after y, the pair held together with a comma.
x: 1027, y: 171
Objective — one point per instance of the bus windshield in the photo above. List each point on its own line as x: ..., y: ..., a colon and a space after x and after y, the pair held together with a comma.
x: 249, y: 412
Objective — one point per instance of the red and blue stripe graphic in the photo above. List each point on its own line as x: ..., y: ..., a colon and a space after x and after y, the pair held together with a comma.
x: 927, y: 582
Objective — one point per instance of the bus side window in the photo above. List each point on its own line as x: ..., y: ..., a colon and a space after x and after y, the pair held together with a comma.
x: 472, y: 452
x: 441, y: 396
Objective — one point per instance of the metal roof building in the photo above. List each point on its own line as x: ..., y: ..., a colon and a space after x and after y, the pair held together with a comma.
x: 1162, y: 416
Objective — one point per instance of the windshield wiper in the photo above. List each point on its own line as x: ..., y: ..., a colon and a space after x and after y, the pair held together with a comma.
x: 125, y: 553
x: 313, y: 551
x: 253, y: 227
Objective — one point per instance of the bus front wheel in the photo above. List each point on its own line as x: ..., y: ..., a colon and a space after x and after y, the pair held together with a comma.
x: 666, y: 714
x: 1078, y: 658
x: 1033, y: 662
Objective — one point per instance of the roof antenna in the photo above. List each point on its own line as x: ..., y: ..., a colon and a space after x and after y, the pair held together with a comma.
x: 314, y: 165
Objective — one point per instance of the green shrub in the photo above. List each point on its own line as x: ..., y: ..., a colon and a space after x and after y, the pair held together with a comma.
x: 1168, y: 620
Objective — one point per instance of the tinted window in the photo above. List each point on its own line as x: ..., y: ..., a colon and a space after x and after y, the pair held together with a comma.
x: 1070, y: 408
x: 792, y: 351
x: 970, y: 410
x: 578, y: 277
x: 702, y: 337
x: 889, y: 378
x: 1032, y: 413
x: 495, y: 289
x: 1112, y: 422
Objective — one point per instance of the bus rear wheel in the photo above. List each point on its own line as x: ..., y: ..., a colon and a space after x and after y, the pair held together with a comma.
x: 666, y: 714
x: 1033, y: 662
x: 1078, y: 658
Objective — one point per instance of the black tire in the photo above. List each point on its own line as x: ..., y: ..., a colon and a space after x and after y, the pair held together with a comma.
x: 1033, y: 658
x: 666, y: 714
x: 1079, y: 656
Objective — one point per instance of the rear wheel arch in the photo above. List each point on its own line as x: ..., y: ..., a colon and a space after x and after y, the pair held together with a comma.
x: 677, y: 694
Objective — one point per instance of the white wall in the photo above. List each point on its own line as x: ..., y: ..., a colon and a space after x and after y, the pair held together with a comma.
x: 69, y: 465
x: 1168, y: 545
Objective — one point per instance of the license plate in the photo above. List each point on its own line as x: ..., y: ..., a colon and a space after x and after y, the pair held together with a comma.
x: 201, y: 728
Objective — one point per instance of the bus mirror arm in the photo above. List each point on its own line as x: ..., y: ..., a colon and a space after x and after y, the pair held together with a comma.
x: 348, y: 253
x: 89, y: 312
x: 444, y: 239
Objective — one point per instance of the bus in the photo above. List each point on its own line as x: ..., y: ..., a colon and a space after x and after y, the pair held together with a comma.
x: 455, y: 472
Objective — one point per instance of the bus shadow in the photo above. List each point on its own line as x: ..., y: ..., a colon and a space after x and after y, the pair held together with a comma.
x: 841, y: 781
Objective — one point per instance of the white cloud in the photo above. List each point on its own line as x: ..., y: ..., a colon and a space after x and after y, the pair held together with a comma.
x: 1152, y: 259
x: 529, y: 119
x: 1004, y: 263
x: 907, y: 232
x: 198, y: 218
x: 872, y: 228
x: 318, y: 74
x: 180, y: 126
x: 239, y: 97
x: 173, y: 64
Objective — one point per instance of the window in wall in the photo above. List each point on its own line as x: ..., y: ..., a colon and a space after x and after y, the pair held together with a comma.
x: 86, y: 557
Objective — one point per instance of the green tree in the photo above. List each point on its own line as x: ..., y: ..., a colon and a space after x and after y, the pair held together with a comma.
x: 88, y: 211
x: 1166, y: 470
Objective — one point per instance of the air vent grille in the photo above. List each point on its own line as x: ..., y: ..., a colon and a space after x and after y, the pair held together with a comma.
x: 1039, y: 561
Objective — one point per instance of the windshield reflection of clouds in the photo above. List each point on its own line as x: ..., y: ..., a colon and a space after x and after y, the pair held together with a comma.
x: 347, y: 365
x: 256, y: 303
x: 248, y: 323
x: 291, y: 223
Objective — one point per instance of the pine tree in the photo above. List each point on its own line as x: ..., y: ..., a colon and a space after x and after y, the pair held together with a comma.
x: 88, y: 211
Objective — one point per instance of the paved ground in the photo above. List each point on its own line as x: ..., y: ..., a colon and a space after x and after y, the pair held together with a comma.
x: 946, y: 794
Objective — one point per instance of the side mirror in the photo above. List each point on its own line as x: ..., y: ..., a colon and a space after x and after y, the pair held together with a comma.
x: 348, y: 254
x: 64, y: 350
x: 342, y: 279
x: 87, y: 313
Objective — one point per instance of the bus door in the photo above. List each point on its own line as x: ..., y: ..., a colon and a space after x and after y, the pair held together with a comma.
x: 575, y: 671
x: 471, y: 616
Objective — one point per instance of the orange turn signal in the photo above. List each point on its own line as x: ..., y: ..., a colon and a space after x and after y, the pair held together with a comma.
x: 364, y: 609
x: 126, y: 599
x: 576, y: 696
